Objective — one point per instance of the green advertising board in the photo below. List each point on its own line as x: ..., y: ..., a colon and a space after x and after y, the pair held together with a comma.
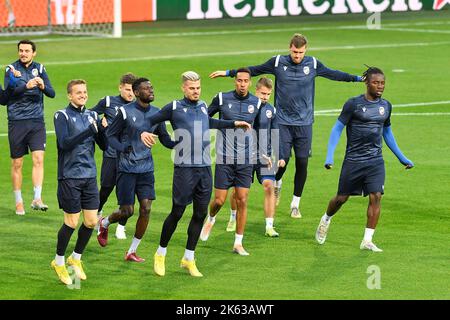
x: 218, y: 9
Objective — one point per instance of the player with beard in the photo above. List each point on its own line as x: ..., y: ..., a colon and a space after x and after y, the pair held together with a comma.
x: 135, y: 163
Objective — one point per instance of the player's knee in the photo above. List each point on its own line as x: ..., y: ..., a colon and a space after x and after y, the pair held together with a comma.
x: 340, y: 200
x: 90, y: 222
x: 219, y: 202
x: 17, y: 164
x: 71, y: 222
x: 127, y: 211
x: 200, y: 213
x: 176, y: 215
x: 144, y: 212
x: 38, y: 161
x: 241, y: 201
x: 268, y: 187
x: 375, y: 198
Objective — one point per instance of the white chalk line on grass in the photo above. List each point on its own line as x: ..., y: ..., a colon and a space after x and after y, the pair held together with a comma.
x: 240, y: 53
x: 233, y: 32
x: 420, y: 114
x: 395, y: 106
x: 334, y: 112
x: 415, y: 30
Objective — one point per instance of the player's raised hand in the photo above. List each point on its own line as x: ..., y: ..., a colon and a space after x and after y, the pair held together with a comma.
x: 148, y: 139
x: 216, y: 74
x: 242, y: 124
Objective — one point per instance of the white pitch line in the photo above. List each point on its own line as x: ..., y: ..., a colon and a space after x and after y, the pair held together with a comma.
x: 420, y: 114
x: 415, y: 30
x: 404, y: 105
x: 240, y: 53
x: 209, y: 33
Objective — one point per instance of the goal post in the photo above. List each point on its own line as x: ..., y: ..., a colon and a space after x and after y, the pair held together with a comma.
x: 71, y: 17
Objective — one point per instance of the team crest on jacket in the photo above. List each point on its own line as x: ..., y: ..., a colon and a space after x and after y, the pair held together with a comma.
x: 381, y: 109
x: 269, y: 114
x: 35, y: 72
x: 204, y: 110
x: 251, y: 108
x: 306, y: 70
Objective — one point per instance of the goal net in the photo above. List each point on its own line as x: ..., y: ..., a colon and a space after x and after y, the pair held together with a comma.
x: 75, y: 17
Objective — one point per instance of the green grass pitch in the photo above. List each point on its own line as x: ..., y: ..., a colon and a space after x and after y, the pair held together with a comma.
x: 412, y: 49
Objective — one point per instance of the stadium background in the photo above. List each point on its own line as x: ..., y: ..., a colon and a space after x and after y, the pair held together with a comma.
x: 412, y: 48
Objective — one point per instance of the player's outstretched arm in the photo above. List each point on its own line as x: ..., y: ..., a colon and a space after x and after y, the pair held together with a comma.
x: 266, y: 68
x: 217, y: 74
x: 332, y: 143
x: 392, y: 144
x: 336, y: 75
